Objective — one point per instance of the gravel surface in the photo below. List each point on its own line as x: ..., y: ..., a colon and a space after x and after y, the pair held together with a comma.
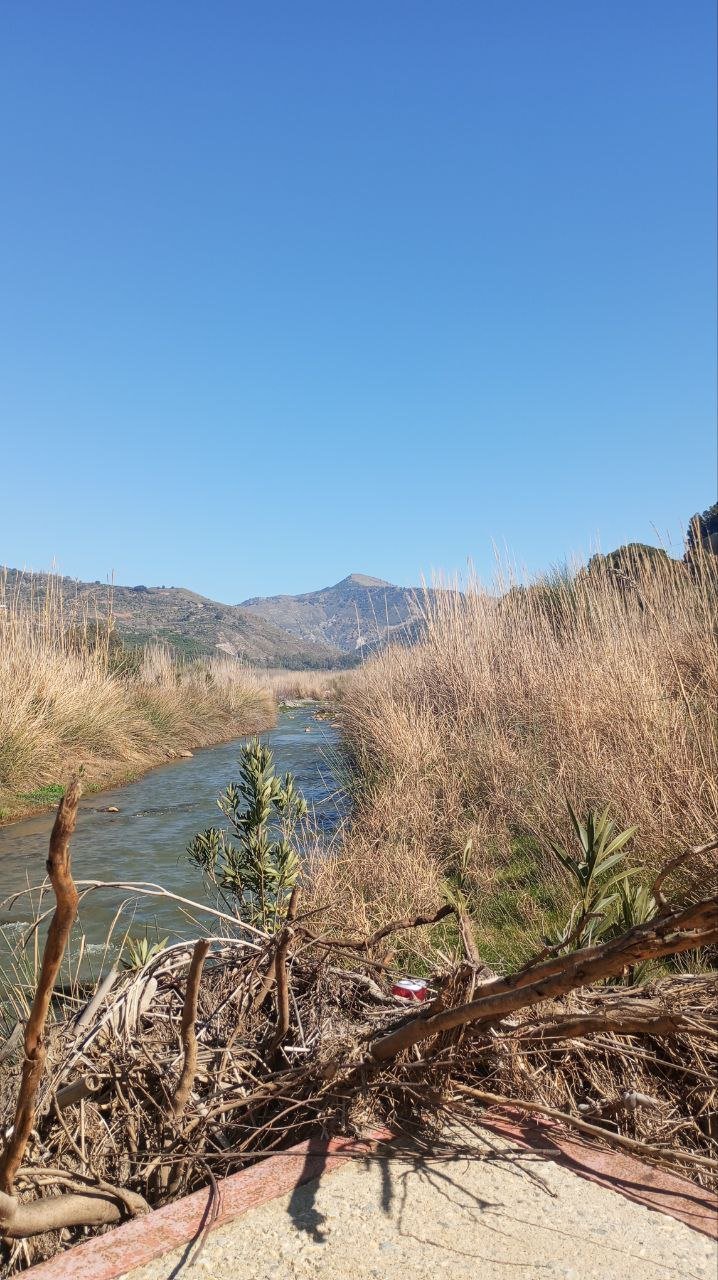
x: 502, y: 1213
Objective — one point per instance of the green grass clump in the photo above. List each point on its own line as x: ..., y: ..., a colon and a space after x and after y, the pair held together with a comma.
x: 51, y: 794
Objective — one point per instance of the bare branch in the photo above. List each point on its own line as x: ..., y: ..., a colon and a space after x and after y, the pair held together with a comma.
x: 570, y: 1028
x: 693, y: 851
x: 394, y: 926
x: 466, y: 930
x: 87, y: 1209
x: 189, y: 1036
x: 58, y: 869
x: 615, y: 1139
x: 280, y: 969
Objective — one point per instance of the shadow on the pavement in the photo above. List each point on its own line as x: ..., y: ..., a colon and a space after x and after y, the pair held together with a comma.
x: 407, y: 1153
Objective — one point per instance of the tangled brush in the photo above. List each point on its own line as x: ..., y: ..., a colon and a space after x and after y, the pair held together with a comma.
x: 216, y: 1052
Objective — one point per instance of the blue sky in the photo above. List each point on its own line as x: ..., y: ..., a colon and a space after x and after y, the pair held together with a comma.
x: 293, y: 290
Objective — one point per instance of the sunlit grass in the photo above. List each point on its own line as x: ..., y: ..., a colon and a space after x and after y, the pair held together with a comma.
x: 70, y: 697
x: 585, y: 687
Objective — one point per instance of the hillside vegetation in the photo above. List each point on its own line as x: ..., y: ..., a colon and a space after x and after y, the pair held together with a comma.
x: 191, y: 625
x: 71, y: 695
x: 599, y: 689
x: 332, y: 628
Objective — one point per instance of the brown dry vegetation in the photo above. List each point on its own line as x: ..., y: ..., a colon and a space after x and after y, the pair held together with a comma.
x: 69, y: 698
x: 317, y: 686
x: 593, y: 688
x: 139, y: 1094
x: 596, y: 689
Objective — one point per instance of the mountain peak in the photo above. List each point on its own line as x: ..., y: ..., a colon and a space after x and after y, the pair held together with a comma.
x: 358, y: 611
x: 364, y: 580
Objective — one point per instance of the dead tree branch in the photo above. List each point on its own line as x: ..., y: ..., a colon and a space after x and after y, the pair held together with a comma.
x: 280, y: 970
x: 394, y: 926
x: 595, y: 1131
x: 189, y: 1036
x: 88, y: 1209
x: 571, y: 1028
x: 58, y: 869
x: 693, y: 851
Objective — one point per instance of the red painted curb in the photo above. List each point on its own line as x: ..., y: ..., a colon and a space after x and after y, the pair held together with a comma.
x: 644, y: 1183
x: 142, y: 1239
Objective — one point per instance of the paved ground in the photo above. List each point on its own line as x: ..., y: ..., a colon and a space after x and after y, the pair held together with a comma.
x: 498, y: 1213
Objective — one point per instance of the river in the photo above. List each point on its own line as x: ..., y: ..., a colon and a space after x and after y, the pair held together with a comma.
x: 158, y: 815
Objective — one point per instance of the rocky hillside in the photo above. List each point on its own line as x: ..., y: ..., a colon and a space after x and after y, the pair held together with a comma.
x: 191, y: 624
x: 353, y: 616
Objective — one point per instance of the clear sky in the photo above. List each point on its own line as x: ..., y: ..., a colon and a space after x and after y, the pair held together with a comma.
x: 294, y: 289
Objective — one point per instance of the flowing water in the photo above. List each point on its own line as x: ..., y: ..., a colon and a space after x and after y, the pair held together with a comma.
x: 158, y: 815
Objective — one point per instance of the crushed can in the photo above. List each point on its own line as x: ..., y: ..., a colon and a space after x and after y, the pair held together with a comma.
x: 410, y: 988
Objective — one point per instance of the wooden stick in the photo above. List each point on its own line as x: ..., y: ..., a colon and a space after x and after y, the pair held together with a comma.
x: 85, y: 1015
x: 148, y: 889
x: 83, y: 1087
x: 366, y: 944
x: 189, y: 1036
x: 466, y: 929
x: 55, y: 1212
x: 570, y: 1027
x: 693, y: 851
x: 280, y: 969
x: 58, y: 869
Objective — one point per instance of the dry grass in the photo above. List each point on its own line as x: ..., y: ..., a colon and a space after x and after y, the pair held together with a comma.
x: 319, y: 686
x: 69, y: 698
x: 595, y: 689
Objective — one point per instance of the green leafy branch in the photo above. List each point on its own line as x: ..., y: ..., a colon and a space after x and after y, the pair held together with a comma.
x: 255, y: 860
x: 600, y: 877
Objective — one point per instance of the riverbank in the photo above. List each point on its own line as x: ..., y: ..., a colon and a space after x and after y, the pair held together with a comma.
x: 140, y: 831
x: 16, y: 807
x: 71, y: 700
x: 291, y: 687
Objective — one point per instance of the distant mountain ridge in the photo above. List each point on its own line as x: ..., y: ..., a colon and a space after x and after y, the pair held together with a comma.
x: 354, y: 615
x: 335, y: 626
x: 188, y: 622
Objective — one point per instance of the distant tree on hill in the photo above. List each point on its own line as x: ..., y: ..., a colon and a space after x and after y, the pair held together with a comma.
x: 633, y: 559
x: 703, y: 532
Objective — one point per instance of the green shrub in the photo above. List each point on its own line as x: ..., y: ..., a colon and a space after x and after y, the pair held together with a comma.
x: 599, y: 878
x: 51, y: 794
x: 255, y: 862
x: 140, y: 950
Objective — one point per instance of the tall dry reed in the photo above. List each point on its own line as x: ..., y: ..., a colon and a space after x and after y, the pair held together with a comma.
x: 317, y: 686
x: 69, y: 696
x: 597, y: 688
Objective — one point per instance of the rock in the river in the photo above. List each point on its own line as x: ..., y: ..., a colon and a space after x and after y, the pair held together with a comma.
x: 186, y: 755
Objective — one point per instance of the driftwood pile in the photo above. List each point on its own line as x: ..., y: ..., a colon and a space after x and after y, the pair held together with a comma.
x: 218, y: 1052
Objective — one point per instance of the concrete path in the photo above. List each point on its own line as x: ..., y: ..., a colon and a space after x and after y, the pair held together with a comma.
x: 496, y: 1212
